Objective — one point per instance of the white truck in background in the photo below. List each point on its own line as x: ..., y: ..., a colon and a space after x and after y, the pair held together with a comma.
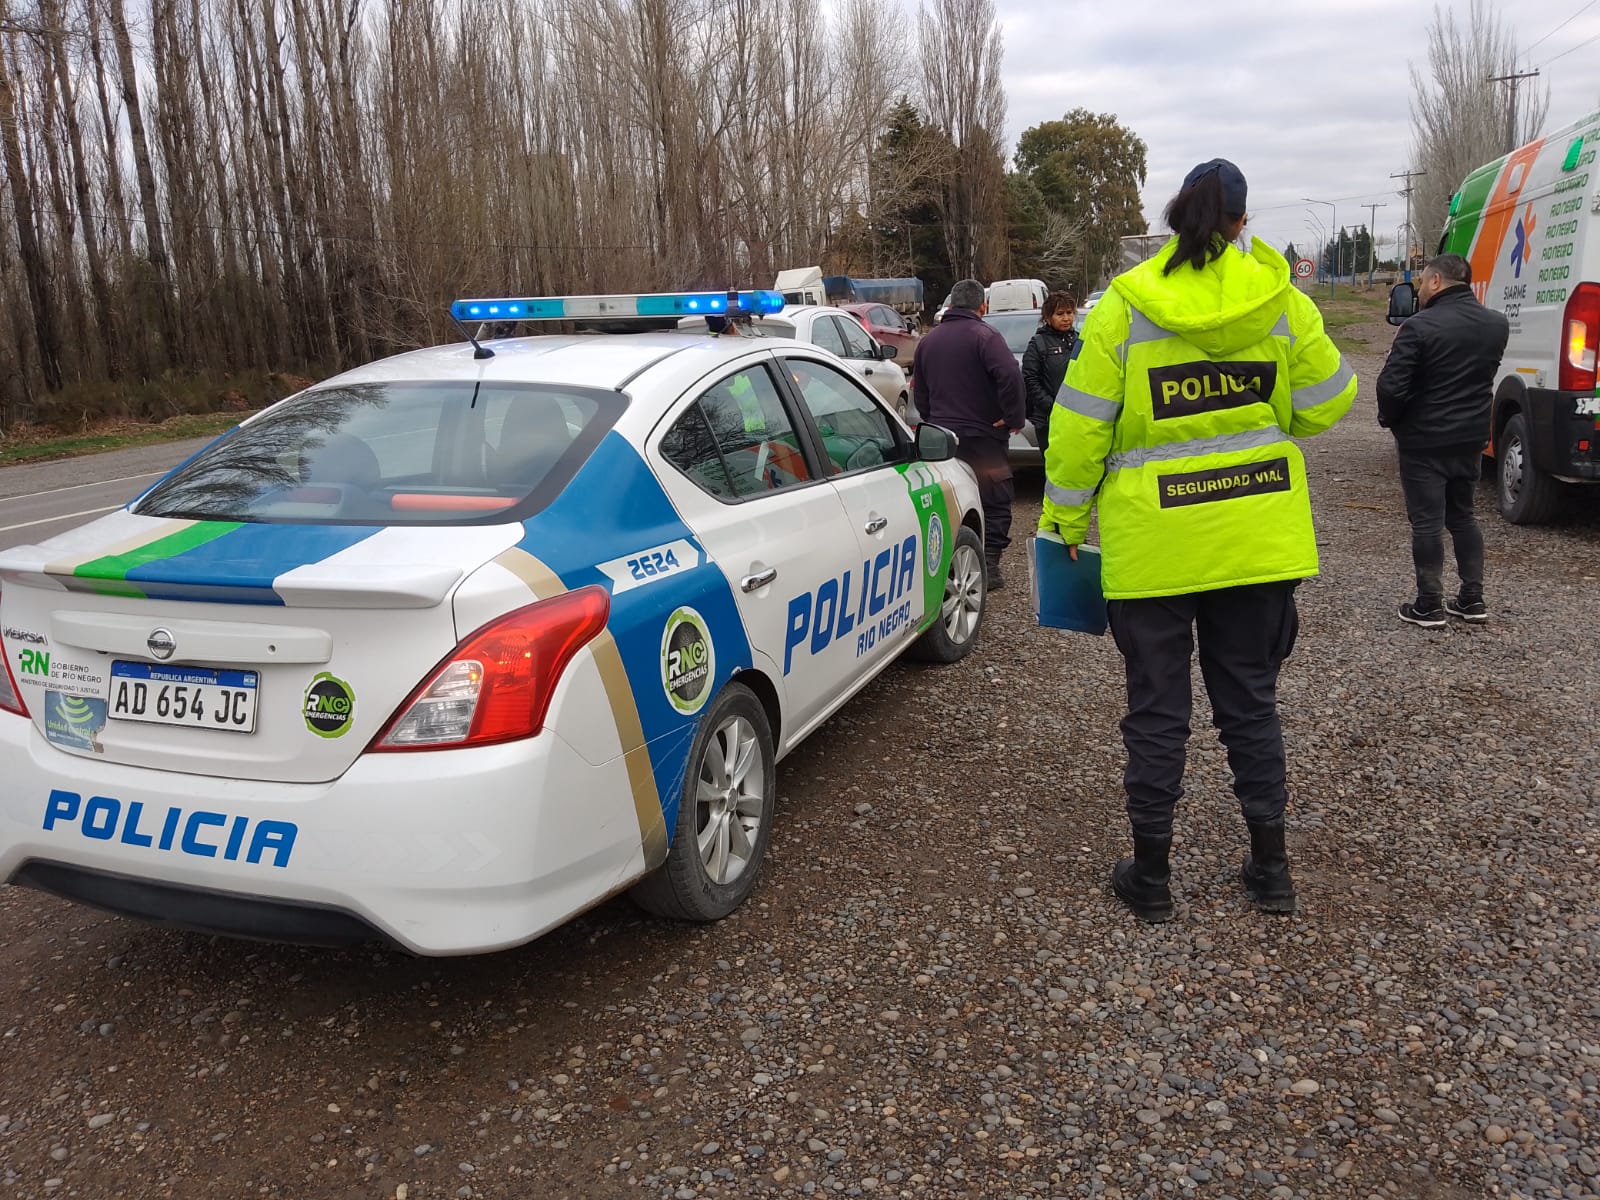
x: 808, y: 285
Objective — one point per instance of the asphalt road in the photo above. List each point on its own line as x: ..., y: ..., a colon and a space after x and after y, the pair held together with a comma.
x: 40, y: 500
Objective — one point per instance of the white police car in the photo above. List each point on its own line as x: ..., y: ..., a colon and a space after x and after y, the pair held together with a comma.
x: 448, y: 648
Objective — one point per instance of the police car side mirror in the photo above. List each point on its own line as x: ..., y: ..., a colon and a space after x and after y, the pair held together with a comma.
x: 886, y: 351
x: 1402, y: 303
x: 935, y: 444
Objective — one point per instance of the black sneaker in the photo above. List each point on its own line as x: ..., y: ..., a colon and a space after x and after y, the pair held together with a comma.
x: 1430, y: 618
x: 1477, y: 612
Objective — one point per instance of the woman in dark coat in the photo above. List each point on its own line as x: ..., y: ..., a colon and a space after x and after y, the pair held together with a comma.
x: 1044, y: 363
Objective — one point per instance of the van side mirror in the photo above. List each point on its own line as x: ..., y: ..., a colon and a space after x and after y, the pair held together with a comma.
x: 935, y: 444
x: 1402, y: 303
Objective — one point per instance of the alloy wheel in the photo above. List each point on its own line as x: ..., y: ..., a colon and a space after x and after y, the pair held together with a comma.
x: 729, y: 800
x: 963, y: 595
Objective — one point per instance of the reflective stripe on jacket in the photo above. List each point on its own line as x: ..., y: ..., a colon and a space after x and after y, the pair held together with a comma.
x: 1176, y: 418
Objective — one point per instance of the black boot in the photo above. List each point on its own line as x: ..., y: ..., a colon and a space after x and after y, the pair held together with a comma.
x: 994, y: 581
x: 1140, y: 882
x: 1265, y: 873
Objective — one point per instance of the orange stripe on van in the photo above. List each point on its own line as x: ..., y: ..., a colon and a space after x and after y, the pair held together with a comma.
x: 1499, y: 212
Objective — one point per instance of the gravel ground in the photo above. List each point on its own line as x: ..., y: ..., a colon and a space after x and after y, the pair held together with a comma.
x: 932, y: 993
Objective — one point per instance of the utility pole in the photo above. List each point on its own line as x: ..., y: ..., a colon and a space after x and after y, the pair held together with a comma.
x: 1410, y: 233
x: 1372, y: 242
x: 1513, y: 82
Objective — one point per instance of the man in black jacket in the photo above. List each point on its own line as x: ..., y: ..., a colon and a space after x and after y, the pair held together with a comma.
x: 966, y: 379
x: 1434, y: 395
x: 1044, y: 363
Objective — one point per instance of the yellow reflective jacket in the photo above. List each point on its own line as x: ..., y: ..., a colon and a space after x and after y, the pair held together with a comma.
x: 1176, y: 418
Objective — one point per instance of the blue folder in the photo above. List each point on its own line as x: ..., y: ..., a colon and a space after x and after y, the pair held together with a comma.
x: 1066, y: 591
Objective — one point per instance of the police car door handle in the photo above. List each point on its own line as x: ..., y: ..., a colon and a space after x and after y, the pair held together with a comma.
x: 876, y: 524
x: 753, y: 583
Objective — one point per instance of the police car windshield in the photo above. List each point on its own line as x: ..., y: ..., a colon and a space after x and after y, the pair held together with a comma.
x: 441, y: 452
x: 1017, y: 327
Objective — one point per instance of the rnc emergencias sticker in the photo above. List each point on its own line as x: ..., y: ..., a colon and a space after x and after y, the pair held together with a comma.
x: 688, y: 661
x: 329, y: 707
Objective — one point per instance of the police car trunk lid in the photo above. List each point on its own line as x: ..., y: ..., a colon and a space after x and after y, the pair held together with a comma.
x: 297, y: 642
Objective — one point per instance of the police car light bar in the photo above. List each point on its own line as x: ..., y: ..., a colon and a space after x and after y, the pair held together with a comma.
x: 657, y: 304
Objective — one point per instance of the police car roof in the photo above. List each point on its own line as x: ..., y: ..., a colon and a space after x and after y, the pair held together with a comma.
x: 577, y: 360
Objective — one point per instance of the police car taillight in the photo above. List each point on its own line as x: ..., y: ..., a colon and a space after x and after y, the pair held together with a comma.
x: 10, y: 697
x: 1580, y: 328
x: 496, y: 685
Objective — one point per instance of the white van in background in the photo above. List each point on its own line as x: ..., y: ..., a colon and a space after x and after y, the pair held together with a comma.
x: 1527, y: 224
x: 1009, y: 295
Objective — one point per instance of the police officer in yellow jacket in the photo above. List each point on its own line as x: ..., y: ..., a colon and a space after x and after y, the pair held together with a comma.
x: 1197, y: 370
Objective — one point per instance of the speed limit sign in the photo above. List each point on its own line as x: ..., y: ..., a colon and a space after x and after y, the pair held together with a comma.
x: 1303, y: 268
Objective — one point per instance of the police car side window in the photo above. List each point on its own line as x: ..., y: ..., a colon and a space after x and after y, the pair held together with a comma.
x: 825, y: 333
x: 856, y: 342
x: 736, y: 440
x: 856, y: 434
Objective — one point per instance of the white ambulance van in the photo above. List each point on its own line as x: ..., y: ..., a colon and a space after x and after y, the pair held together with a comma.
x: 1529, y: 224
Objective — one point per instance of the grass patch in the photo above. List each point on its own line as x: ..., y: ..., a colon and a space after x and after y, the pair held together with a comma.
x: 1349, y: 345
x: 92, y: 417
x: 41, y: 445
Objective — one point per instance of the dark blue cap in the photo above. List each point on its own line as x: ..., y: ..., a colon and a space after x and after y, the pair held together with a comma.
x: 1231, y: 178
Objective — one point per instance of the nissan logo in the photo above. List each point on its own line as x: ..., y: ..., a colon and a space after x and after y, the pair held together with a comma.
x: 161, y: 644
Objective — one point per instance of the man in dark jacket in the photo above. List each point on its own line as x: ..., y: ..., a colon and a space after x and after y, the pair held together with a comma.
x: 966, y: 379
x: 1434, y: 395
x: 1044, y: 362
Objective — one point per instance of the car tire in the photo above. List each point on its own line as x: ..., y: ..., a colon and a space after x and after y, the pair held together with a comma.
x: 724, y: 818
x: 955, y: 630
x: 1527, y: 495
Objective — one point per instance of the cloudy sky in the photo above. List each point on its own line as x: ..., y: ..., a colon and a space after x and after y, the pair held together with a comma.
x: 1309, y: 97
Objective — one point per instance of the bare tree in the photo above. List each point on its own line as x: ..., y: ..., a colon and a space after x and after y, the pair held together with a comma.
x: 309, y: 182
x: 1458, y: 116
x: 961, y: 50
x: 36, y: 267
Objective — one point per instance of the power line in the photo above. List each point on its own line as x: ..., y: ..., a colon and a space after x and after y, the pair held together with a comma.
x: 1408, y: 175
x: 1513, y: 81
x: 1579, y: 46
x: 1565, y: 23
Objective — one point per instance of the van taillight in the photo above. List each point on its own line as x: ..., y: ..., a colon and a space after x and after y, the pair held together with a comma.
x: 497, y: 684
x: 1580, y: 339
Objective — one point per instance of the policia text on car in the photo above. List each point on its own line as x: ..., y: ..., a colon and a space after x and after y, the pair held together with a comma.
x: 1177, y: 419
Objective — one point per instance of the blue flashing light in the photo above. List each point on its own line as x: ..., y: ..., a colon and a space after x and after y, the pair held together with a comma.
x: 639, y: 306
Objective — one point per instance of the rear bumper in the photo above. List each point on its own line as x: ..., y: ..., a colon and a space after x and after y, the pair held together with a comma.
x: 443, y: 852
x: 1556, y: 431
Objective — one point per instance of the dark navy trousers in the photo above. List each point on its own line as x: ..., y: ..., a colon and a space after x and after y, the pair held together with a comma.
x: 1244, y: 634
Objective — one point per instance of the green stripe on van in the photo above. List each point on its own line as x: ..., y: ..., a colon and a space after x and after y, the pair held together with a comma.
x: 1475, y: 193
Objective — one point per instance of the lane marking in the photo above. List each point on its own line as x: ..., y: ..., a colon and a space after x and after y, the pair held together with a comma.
x: 76, y: 486
x: 88, y: 512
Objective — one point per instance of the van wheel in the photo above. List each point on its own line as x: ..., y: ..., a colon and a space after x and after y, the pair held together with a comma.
x: 724, y: 814
x: 1527, y: 495
x: 955, y: 630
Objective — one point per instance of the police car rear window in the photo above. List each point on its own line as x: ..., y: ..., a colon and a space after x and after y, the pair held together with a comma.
x: 440, y: 452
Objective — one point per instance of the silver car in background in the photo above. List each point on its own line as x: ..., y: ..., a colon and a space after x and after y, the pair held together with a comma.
x: 1018, y: 329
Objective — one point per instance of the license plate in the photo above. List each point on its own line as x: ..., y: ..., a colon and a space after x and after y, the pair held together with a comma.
x: 192, y: 697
